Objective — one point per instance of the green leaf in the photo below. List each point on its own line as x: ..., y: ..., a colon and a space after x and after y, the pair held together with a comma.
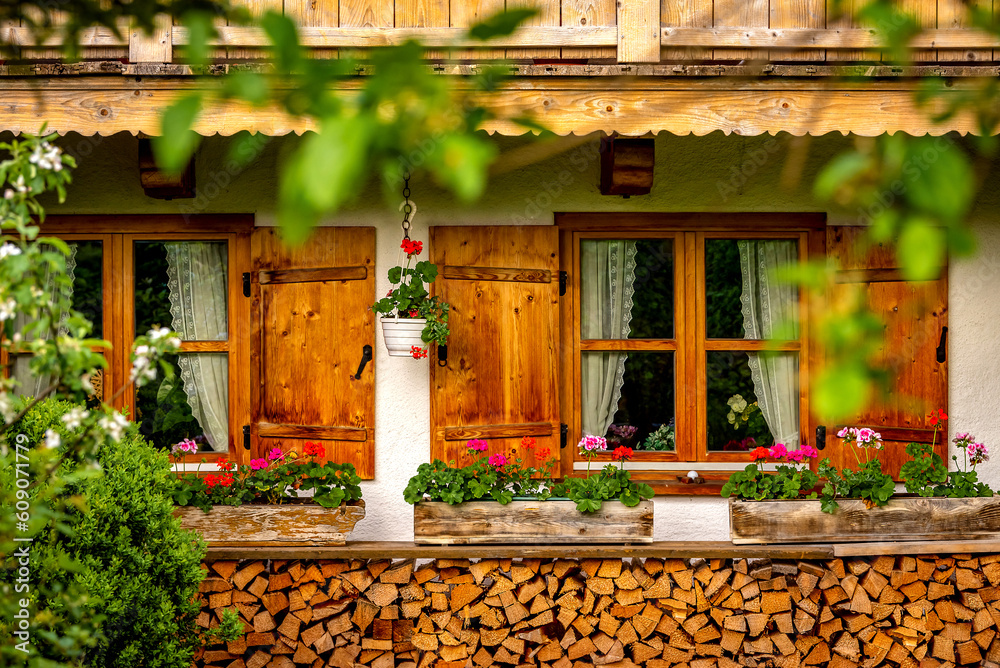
x: 284, y: 39
x: 840, y: 392
x: 921, y: 249
x: 502, y: 23
x: 201, y: 30
x: 838, y: 173
x: 460, y: 162
x: 177, y: 142
x: 248, y: 86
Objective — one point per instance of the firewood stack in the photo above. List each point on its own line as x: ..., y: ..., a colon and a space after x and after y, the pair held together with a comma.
x: 567, y: 613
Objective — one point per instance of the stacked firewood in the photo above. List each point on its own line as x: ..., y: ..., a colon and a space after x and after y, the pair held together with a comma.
x: 567, y: 613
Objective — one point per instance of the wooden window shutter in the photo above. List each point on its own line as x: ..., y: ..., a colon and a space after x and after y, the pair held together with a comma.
x: 500, y: 380
x: 915, y: 350
x: 311, y: 323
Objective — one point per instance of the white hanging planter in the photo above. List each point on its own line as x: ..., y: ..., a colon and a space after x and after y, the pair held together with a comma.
x: 401, y: 334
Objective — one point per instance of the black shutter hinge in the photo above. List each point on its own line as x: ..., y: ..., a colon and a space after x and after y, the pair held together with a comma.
x: 246, y: 284
x: 563, y: 435
x: 563, y: 280
x: 941, y: 350
x: 246, y: 437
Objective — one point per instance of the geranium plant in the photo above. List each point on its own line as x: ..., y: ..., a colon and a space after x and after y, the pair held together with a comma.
x: 276, y: 478
x: 867, y: 483
x: 792, y: 479
x: 409, y: 297
x: 609, y: 483
x: 927, y: 475
x: 500, y: 476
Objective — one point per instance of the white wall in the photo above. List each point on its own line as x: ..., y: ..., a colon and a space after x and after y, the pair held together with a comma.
x: 711, y: 173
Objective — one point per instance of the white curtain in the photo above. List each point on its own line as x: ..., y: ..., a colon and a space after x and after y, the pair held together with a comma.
x: 767, y: 305
x: 196, y: 273
x: 30, y: 384
x: 607, y: 272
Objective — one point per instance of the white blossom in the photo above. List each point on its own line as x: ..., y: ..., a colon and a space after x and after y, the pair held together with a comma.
x: 52, y: 439
x: 6, y: 407
x: 85, y: 384
x: 21, y: 186
x: 9, y: 250
x: 74, y: 417
x: 8, y: 194
x: 47, y: 156
x: 8, y: 309
x: 114, y: 425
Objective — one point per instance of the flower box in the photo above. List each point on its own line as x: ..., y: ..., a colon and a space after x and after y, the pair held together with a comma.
x: 904, y: 518
x: 530, y: 522
x: 275, y: 525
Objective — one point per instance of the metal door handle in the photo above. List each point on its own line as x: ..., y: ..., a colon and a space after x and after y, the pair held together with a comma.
x: 366, y: 357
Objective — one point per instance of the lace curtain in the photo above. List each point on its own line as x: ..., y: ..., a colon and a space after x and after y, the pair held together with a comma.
x: 30, y: 384
x: 766, y: 305
x: 196, y: 273
x: 607, y: 271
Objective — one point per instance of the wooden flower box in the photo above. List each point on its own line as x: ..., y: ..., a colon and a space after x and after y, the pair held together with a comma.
x: 530, y: 522
x: 904, y: 518
x: 280, y: 525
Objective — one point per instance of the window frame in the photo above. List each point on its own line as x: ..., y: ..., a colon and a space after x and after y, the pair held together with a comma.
x: 690, y: 343
x: 118, y: 234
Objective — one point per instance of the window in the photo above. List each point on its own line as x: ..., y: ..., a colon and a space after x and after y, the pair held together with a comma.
x: 680, y: 343
x: 133, y: 274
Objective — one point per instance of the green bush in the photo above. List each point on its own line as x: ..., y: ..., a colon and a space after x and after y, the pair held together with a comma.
x: 139, y: 569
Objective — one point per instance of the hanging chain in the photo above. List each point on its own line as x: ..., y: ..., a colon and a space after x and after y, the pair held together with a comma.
x: 407, y: 207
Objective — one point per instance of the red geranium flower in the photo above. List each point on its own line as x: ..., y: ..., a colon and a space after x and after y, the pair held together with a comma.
x: 211, y: 480
x: 528, y: 443
x: 621, y: 454
x: 542, y: 454
x: 412, y: 248
x: 418, y: 352
x: 313, y: 449
x: 935, y: 416
x: 760, y: 454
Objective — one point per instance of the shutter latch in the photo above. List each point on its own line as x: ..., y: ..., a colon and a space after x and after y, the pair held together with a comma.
x: 941, y: 350
x: 246, y: 437
x: 563, y: 280
x: 246, y: 284
x: 563, y: 434
x: 820, y: 437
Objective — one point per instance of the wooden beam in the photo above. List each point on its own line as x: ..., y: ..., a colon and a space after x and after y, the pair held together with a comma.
x: 156, y: 47
x: 89, y: 37
x: 497, y: 274
x: 638, y: 31
x: 497, y: 431
x: 818, y: 38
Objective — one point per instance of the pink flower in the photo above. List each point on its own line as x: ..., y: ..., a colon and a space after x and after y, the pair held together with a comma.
x: 477, y: 445
x: 593, y: 443
x: 276, y: 453
x: 779, y: 452
x: 185, y: 447
x: 845, y: 432
x: 498, y: 461
x: 808, y: 452
x: 978, y: 453
x: 258, y: 464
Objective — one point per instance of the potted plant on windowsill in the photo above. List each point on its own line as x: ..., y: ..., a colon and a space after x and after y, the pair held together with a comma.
x: 859, y: 505
x: 259, y: 504
x: 411, y: 318
x: 497, y: 499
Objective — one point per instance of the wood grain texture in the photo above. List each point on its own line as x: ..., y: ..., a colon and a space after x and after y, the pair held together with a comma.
x: 903, y: 519
x: 315, y: 13
x: 497, y: 431
x: 365, y: 14
x: 548, y: 15
x: 914, y: 315
x: 639, y: 31
x: 798, y: 14
x: 686, y: 14
x: 581, y: 13
x: 840, y: 16
x: 467, y: 13
x: 483, y: 522
x: 740, y: 14
x: 424, y: 14
x: 503, y: 351
x: 307, y: 344
x: 497, y: 274
x: 925, y: 14
x: 257, y: 9
x: 954, y: 15
x: 290, y: 525
x: 156, y: 47
x: 313, y: 275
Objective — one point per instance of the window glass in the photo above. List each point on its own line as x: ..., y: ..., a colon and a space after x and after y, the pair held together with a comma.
x: 742, y: 298
x: 629, y: 398
x: 753, y: 400
x: 193, y: 404
x: 627, y: 289
x: 182, y: 285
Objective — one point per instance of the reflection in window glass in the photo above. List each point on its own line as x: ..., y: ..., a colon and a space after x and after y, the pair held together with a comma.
x: 193, y: 404
x: 627, y: 289
x: 753, y: 400
x: 629, y: 398
x: 743, y: 299
x: 182, y: 285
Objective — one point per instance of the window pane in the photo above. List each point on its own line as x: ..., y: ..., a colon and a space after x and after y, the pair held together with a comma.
x: 193, y: 404
x: 182, y: 285
x: 627, y: 289
x: 629, y: 398
x: 742, y: 298
x: 88, y: 273
x: 753, y: 400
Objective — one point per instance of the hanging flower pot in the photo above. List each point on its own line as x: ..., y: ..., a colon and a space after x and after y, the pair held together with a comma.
x: 402, y: 335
